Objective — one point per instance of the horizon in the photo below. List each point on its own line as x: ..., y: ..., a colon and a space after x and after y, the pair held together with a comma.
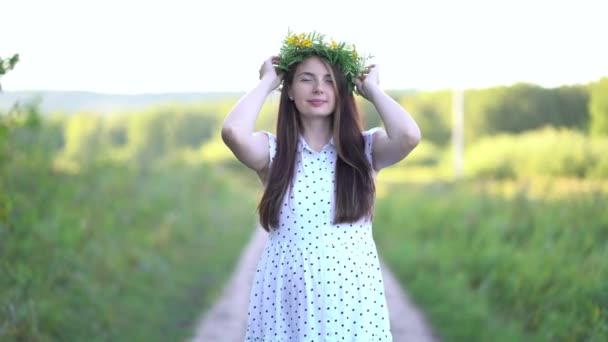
x: 219, y: 92
x: 105, y: 47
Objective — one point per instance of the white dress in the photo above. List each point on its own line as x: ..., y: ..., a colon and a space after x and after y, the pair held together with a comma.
x: 316, y: 281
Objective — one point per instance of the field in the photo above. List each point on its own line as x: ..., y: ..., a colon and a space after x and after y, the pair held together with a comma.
x: 127, y: 227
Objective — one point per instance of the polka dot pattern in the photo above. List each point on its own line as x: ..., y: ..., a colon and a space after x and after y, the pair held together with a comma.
x: 316, y: 281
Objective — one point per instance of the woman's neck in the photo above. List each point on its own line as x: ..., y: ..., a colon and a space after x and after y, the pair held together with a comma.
x: 317, y: 132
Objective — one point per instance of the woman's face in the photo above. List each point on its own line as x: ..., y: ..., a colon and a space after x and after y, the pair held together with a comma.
x: 312, y: 88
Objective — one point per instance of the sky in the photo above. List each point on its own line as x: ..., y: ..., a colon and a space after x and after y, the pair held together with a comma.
x: 154, y: 46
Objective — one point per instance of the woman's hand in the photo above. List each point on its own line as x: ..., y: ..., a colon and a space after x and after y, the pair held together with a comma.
x: 368, y: 81
x: 269, y: 71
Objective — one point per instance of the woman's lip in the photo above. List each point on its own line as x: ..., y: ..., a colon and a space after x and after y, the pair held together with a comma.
x: 316, y: 102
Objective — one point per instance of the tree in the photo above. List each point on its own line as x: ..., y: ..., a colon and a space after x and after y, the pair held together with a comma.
x: 6, y: 123
x: 598, y: 107
x: 83, y: 138
x: 7, y: 64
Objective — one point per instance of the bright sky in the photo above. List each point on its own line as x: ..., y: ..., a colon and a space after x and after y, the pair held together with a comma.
x: 128, y: 46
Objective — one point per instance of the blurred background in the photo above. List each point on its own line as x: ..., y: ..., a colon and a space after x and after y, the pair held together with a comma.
x: 122, y: 213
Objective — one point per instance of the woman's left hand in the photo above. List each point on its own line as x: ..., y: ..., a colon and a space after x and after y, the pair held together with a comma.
x: 369, y: 80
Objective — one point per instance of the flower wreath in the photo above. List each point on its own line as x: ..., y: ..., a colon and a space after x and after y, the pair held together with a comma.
x: 298, y: 47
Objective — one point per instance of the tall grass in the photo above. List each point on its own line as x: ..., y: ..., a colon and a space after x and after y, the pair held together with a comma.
x: 111, y: 254
x: 500, y: 266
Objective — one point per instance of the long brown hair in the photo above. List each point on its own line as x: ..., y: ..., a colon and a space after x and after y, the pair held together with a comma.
x: 354, y: 186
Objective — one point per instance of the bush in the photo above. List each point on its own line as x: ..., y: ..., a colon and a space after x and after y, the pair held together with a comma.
x: 491, y: 266
x: 546, y: 152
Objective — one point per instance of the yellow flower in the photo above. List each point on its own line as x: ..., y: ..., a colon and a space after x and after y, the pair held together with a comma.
x: 292, y: 40
x: 306, y: 43
x: 355, y: 54
x: 333, y: 45
x: 299, y: 40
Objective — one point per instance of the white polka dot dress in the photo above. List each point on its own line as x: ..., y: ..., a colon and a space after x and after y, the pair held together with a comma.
x: 316, y: 281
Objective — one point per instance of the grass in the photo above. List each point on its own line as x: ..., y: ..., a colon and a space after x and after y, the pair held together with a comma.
x: 106, y: 252
x: 501, y: 261
x: 111, y: 254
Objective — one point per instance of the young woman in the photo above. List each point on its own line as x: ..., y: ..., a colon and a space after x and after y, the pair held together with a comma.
x: 318, y: 278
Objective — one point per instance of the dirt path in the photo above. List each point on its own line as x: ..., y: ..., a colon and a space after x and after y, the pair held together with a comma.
x: 227, y: 320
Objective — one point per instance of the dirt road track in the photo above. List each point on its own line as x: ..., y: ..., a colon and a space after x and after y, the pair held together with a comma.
x: 227, y: 319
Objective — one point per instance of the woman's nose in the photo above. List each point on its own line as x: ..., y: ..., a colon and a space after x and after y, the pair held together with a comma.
x: 318, y: 88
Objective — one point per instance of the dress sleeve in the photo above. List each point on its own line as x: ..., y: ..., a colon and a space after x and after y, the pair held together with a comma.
x: 272, y: 147
x: 369, y: 140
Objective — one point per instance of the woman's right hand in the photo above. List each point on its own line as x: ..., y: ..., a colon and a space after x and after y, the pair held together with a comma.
x: 269, y: 71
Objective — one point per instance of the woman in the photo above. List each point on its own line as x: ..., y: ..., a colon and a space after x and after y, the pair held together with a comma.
x: 319, y: 276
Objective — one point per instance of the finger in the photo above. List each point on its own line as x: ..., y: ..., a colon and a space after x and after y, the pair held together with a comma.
x: 358, y: 83
x: 359, y: 87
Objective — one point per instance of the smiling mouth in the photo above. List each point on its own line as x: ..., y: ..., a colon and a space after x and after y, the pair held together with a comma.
x: 316, y: 102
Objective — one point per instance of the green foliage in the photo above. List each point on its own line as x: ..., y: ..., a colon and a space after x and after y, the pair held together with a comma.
x: 505, y: 109
x: 146, y: 136
x: 546, y: 152
x: 523, y: 107
x: 571, y: 108
x: 485, y: 266
x: 142, y: 138
x: 433, y: 114
x: 426, y: 154
x: 104, y: 252
x: 599, y: 107
x: 83, y: 137
x: 26, y: 149
x: 8, y: 64
x: 114, y: 134
x: 108, y: 254
x: 163, y: 131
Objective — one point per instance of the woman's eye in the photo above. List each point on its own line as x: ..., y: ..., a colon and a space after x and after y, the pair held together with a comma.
x: 329, y: 80
x: 306, y: 79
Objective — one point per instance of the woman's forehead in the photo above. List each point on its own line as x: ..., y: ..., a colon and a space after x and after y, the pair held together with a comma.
x: 314, y: 65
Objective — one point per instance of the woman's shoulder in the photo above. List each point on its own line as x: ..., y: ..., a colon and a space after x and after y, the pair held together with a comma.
x: 370, y: 131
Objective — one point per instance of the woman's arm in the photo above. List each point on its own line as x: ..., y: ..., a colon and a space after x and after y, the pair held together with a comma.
x: 402, y: 133
x: 249, y: 147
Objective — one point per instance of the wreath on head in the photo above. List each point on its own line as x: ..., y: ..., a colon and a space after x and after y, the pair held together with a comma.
x: 298, y: 47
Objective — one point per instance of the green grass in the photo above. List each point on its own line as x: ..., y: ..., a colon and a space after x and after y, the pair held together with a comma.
x: 138, y: 241
x: 111, y: 254
x: 486, y: 266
